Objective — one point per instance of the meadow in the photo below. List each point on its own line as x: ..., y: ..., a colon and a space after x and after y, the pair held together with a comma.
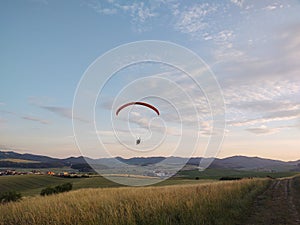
x: 203, y: 203
x: 30, y: 185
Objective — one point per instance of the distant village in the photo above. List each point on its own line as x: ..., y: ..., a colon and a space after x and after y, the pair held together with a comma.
x: 71, y: 174
x: 8, y: 172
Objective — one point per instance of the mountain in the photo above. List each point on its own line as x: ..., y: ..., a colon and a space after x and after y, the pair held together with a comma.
x: 13, y: 159
x: 26, y: 156
x: 253, y: 163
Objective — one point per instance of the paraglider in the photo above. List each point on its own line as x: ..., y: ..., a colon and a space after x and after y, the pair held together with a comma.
x: 138, y: 141
x: 137, y: 103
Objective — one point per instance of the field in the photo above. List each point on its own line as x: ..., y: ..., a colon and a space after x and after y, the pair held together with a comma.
x: 30, y: 185
x: 218, y: 173
x: 193, y: 197
x: 202, y: 203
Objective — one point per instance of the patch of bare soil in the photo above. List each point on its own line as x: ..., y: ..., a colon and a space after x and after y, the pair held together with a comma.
x: 276, y: 205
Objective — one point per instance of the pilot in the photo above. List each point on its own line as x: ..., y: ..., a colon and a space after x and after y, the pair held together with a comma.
x: 138, y: 141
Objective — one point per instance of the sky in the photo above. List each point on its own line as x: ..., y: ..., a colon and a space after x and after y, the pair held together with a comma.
x: 252, y: 48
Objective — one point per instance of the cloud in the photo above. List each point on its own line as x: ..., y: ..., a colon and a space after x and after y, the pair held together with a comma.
x: 63, y: 112
x: 259, y: 74
x: 139, y: 11
x: 58, y: 110
x: 265, y: 106
x: 31, y: 118
x: 274, y: 6
x: 5, y: 147
x: 193, y: 19
x: 225, y: 49
x: 239, y: 3
x: 262, y: 130
x: 282, y: 115
x: 270, y: 7
x: 7, y: 112
x: 99, y: 8
x: 276, y: 59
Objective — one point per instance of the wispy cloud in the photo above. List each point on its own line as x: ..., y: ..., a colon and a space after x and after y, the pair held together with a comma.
x: 7, y: 112
x: 262, y: 130
x: 139, y: 12
x: 283, y: 115
x: 100, y: 8
x: 238, y: 2
x: 265, y: 89
x: 32, y: 118
x: 12, y: 148
x: 275, y: 6
x: 259, y: 85
x: 63, y: 112
x: 192, y: 20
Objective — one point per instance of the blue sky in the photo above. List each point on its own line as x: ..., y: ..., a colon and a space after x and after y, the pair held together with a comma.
x: 251, y: 46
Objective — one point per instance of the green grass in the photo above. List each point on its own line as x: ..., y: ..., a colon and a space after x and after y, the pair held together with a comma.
x: 215, y: 203
x: 29, y: 185
x: 218, y: 173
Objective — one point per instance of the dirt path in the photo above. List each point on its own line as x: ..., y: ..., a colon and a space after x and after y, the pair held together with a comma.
x: 276, y: 205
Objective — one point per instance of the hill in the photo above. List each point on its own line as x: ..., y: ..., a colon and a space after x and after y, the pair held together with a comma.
x: 17, y: 160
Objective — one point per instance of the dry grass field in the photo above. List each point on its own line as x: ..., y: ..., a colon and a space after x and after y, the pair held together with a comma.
x: 215, y: 203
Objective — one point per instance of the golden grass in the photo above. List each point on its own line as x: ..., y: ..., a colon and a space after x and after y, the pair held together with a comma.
x: 216, y: 203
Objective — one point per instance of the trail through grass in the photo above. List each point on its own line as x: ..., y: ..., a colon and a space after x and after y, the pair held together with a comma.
x: 279, y: 204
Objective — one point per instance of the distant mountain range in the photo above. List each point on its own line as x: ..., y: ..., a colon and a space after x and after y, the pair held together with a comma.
x: 17, y: 160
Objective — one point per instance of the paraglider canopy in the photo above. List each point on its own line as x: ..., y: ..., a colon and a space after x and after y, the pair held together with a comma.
x: 137, y: 103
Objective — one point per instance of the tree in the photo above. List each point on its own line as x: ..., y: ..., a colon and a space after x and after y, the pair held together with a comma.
x: 10, y: 196
x: 48, y: 191
x: 57, y: 189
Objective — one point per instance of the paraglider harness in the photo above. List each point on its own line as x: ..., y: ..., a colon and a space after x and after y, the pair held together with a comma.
x: 138, y: 141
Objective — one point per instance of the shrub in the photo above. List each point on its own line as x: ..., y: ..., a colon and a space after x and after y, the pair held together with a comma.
x: 63, y: 188
x: 48, y: 191
x: 58, y: 189
x: 10, y: 196
x: 230, y: 178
